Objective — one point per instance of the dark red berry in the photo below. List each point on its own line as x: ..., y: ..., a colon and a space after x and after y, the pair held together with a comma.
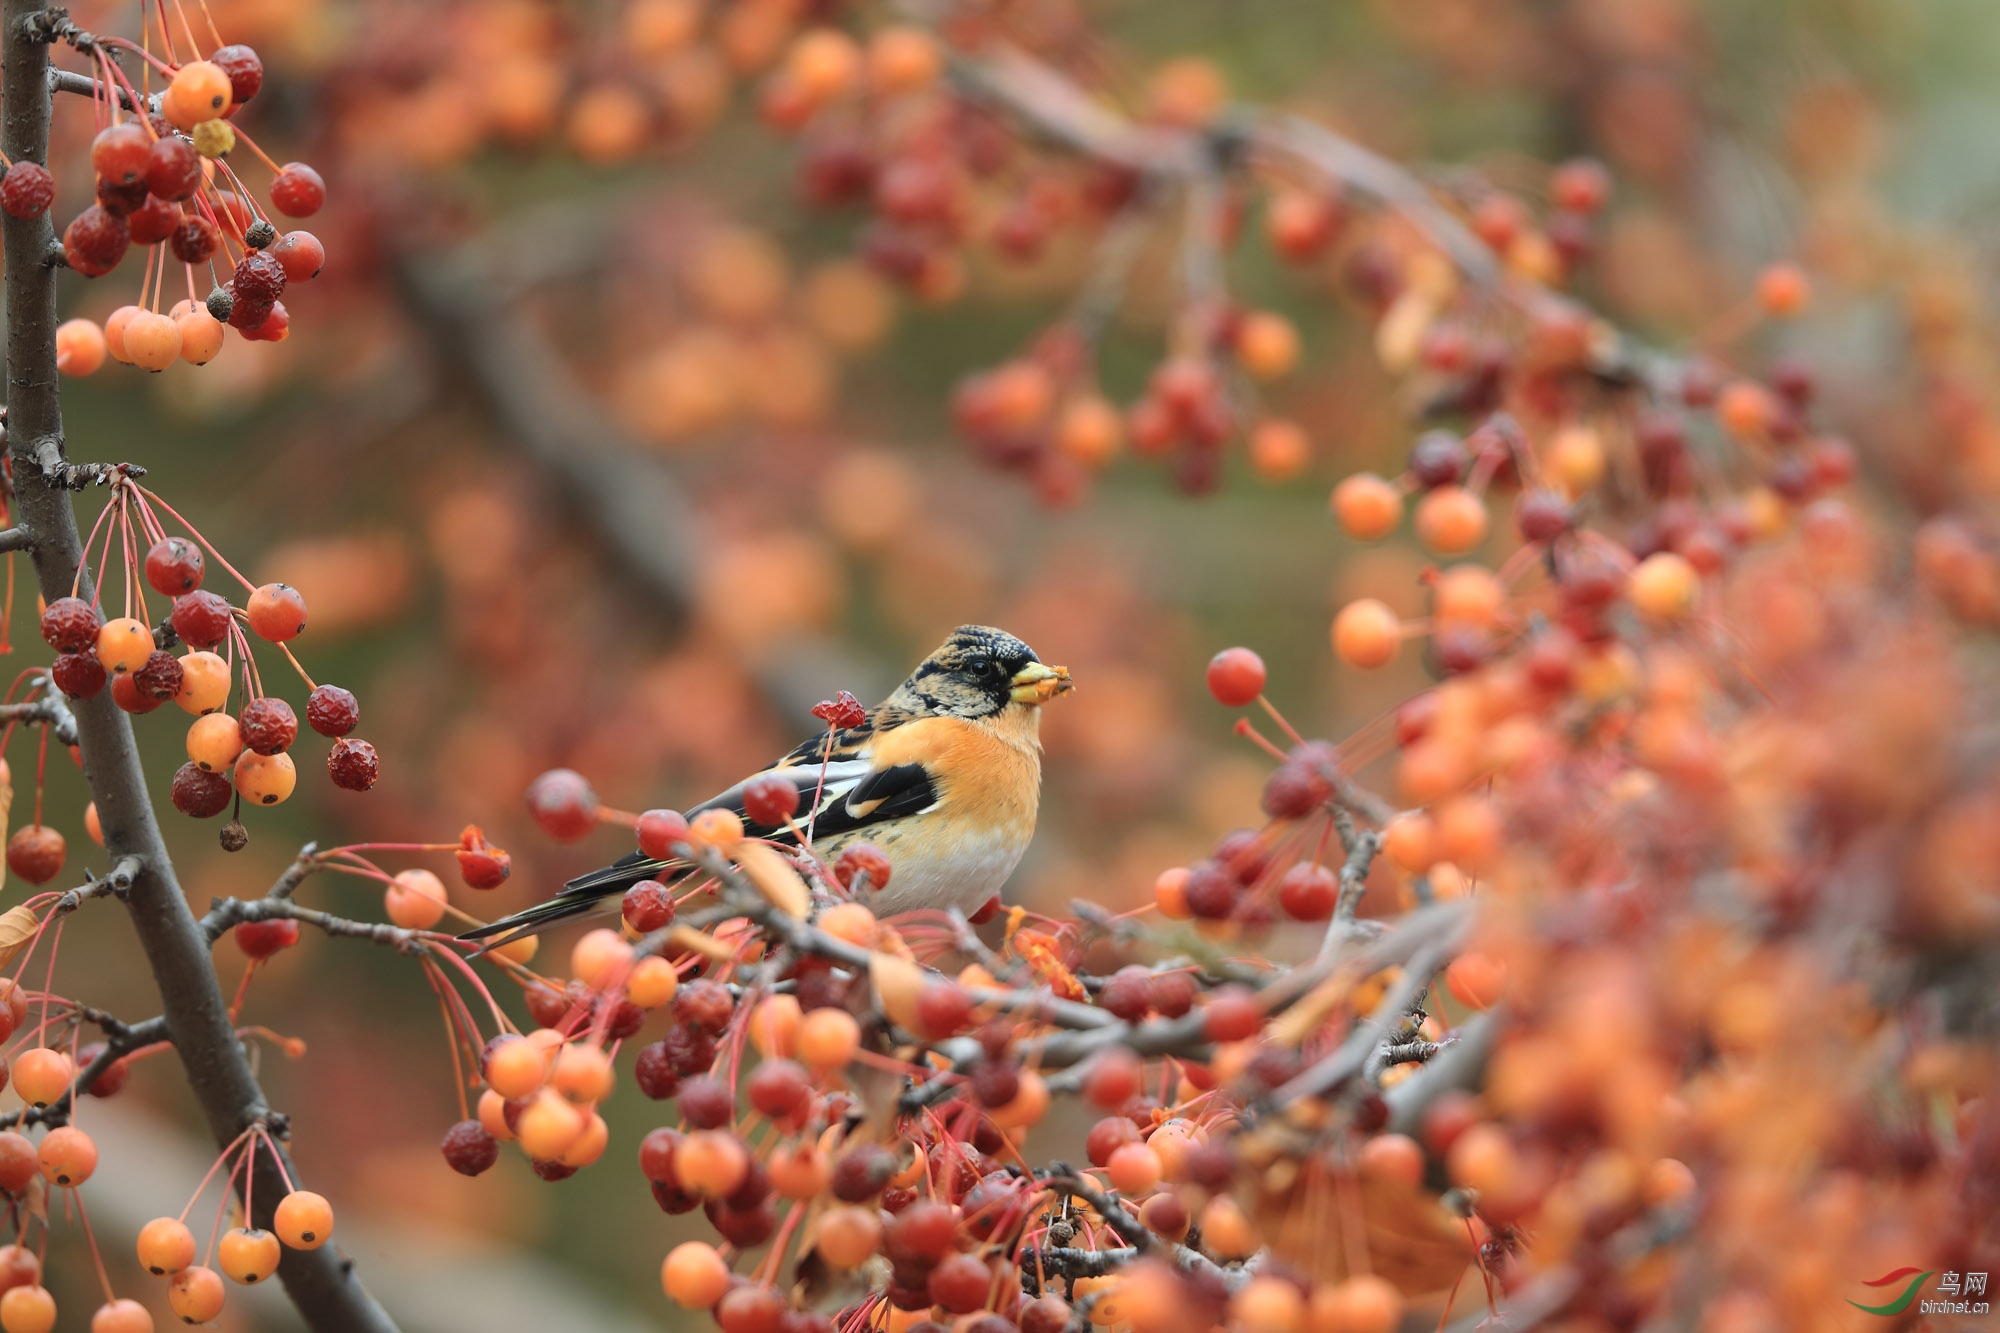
x: 563, y: 803
x: 995, y: 1082
x: 1128, y: 993
x: 153, y: 221
x: 707, y: 1102
x: 690, y: 1049
x: 200, y: 793
x: 27, y: 190
x: 173, y: 168
x: 174, y: 565
x: 352, y: 764
x: 648, y: 906
x: 271, y: 327
x: 1438, y: 458
x: 656, y: 1154
x: 1107, y: 1136
x: 120, y: 152
x: 258, y: 278
x: 660, y: 832
x: 770, y: 800
x: 778, y: 1088
x: 159, y: 678
x: 1211, y: 893
x: 245, y: 71
x: 1295, y: 791
x: 70, y: 625
x: 625, y: 1018
x: 201, y: 619
x: 943, y: 1010
x: 194, y: 240
x: 1543, y: 515
x: 122, y: 201
x: 655, y: 1074
x: 297, y: 191
x: 1307, y: 892
x: 703, y: 1006
x: 111, y: 1078
x: 548, y: 1006
x: 553, y: 1171
x: 78, y: 675
x: 1173, y: 994
x: 269, y: 726
x: 1231, y: 1015
x: 332, y: 711
x: 924, y: 1230
x: 862, y: 864
x: 961, y: 1283
x: 261, y: 939
x: 860, y: 1173
x: 469, y: 1149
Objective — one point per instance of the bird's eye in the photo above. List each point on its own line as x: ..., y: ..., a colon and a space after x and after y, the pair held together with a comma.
x: 983, y: 667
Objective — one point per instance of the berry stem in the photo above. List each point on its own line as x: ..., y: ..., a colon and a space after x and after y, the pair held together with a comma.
x: 220, y: 1158
x: 286, y: 649
x: 195, y: 533
x: 1279, y: 718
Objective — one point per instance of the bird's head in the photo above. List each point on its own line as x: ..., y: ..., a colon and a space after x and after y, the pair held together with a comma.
x: 980, y: 672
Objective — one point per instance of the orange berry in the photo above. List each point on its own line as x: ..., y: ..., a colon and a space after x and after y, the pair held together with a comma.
x: 548, y: 1126
x: 823, y: 64
x: 1483, y: 1159
x: 1664, y: 586
x: 415, y: 899
x: 1368, y: 507
x: 1744, y: 408
x: 711, y: 1163
x: 123, y: 1315
x: 517, y: 1068
x: 1133, y: 1168
x: 1451, y: 520
x: 1411, y: 841
x: 303, y: 1220
x: 1467, y: 595
x: 589, y: 1145
x: 1392, y: 1157
x: 92, y: 824
x: 80, y: 347
x: 1366, y: 1304
x: 214, y: 742
x: 204, y: 684
x: 195, y: 1294
x: 1267, y: 344
x: 582, y: 1074
x: 1367, y: 633
x: 1030, y: 1103
x: 1090, y: 430
x: 1279, y: 449
x: 774, y: 1026
x: 265, y: 779
x: 828, y: 1038
x: 1468, y: 831
x: 848, y: 921
x: 27, y: 1309
x: 1267, y: 1305
x: 653, y: 982
x: 276, y: 612
x: 1170, y: 893
x: 200, y: 91
x: 800, y: 1171
x: 848, y: 1237
x: 248, y: 1254
x: 598, y: 956
x: 114, y: 331
x: 694, y: 1275
x: 152, y: 341
x: 201, y: 336
x: 42, y: 1075
x: 165, y: 1246
x: 1574, y: 459
x: 1783, y: 290
x: 903, y: 59
x: 1187, y: 92
x: 492, y: 1114
x: 1475, y: 980
x: 1225, y: 1232
x: 123, y: 645
x: 1668, y: 1182
x: 721, y: 829
x: 520, y: 949
x: 67, y: 1156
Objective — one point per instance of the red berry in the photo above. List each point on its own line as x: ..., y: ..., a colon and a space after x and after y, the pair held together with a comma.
x: 843, y: 710
x: 660, y: 832
x: 961, y: 1284
x: 265, y: 324
x: 924, y: 1230
x: 201, y: 619
x: 750, y: 1309
x: 200, y: 793
x: 778, y: 1088
x: 268, y: 725
x: 78, y: 675
x: 70, y: 625
x: 707, y: 1102
x: 352, y: 764
x: 860, y: 1173
x: 276, y: 611
x: 657, y: 1078
x: 1308, y: 892
x: 160, y: 678
x: 27, y: 190
x: 261, y: 939
x: 1173, y: 994
x: 120, y: 153
x: 174, y: 565
x: 1113, y: 1079
x: 770, y: 800
x: 469, y: 1149
x: 95, y: 241
x: 332, y: 711
x: 480, y: 864
x: 301, y: 255
x: 1236, y: 677
x: 112, y: 1079
x: 173, y: 169
x: 153, y: 221
x: 704, y: 1006
x: 245, y: 71
x: 563, y: 803
x: 943, y: 1009
x: 1580, y: 185
x: 1211, y: 892
x: 126, y: 694
x: 1107, y: 1136
x: 1128, y: 993
x: 1438, y: 458
x: 647, y: 906
x: 297, y: 191
x: 194, y: 240
x: 36, y: 853
x: 1231, y: 1015
x: 862, y: 863
x: 258, y: 278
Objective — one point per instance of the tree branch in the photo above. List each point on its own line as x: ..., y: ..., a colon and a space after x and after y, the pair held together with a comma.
x: 194, y: 1013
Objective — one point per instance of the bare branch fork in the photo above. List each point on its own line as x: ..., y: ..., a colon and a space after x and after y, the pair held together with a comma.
x: 195, y: 1015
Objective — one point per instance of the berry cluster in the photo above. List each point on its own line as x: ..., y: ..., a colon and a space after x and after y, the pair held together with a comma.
x: 164, y: 182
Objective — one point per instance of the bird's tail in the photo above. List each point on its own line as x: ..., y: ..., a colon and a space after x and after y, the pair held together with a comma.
x: 582, y: 896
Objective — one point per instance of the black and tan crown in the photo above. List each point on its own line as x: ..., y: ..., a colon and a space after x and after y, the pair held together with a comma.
x: 979, y: 671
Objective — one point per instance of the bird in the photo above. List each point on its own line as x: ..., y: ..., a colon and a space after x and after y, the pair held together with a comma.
x: 944, y: 776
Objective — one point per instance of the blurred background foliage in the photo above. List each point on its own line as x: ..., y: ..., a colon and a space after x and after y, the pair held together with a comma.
x: 719, y: 338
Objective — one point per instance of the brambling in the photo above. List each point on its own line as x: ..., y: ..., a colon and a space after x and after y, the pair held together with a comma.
x: 944, y: 776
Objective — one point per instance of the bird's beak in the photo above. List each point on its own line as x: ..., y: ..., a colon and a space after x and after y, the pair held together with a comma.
x: 1037, y: 683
